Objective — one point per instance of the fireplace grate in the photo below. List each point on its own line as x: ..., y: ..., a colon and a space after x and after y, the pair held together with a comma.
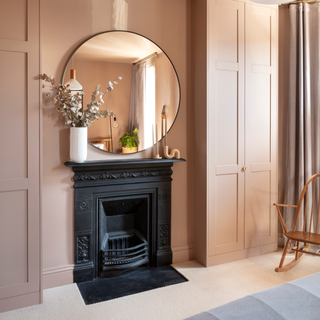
x: 124, y: 252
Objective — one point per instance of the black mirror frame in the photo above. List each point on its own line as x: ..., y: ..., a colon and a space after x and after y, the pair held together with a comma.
x: 65, y: 69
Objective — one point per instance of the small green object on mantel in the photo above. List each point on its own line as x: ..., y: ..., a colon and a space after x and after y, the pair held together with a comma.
x: 130, y: 140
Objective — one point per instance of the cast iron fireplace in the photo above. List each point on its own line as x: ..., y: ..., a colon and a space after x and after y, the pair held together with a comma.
x: 122, y: 216
x: 123, y: 233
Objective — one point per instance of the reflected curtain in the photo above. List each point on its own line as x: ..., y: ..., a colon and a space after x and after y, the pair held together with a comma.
x: 137, y: 100
x: 303, y: 117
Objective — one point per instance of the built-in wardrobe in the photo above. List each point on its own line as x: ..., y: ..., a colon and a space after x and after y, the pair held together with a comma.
x: 20, y: 131
x: 235, y: 81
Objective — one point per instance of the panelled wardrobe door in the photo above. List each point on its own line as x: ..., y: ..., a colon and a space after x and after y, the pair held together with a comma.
x: 261, y: 125
x: 240, y: 183
x: 226, y: 127
x: 20, y: 154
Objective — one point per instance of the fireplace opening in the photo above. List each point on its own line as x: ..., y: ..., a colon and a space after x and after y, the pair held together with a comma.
x: 123, y: 233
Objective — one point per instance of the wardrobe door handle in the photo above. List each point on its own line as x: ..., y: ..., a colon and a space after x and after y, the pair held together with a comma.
x: 245, y: 168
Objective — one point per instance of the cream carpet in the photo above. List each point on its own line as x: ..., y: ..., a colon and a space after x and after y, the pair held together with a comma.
x: 206, y: 288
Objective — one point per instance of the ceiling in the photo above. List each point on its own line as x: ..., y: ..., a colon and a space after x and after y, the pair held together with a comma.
x: 121, y: 47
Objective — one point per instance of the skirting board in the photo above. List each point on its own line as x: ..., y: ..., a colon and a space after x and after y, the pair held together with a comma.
x: 241, y: 254
x: 25, y: 300
x: 183, y: 253
x: 60, y: 276
x: 56, y: 277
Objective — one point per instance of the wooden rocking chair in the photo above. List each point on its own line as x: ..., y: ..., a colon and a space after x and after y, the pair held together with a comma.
x: 305, y: 236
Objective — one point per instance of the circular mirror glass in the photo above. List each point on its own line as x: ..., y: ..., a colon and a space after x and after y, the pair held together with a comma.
x: 145, y: 98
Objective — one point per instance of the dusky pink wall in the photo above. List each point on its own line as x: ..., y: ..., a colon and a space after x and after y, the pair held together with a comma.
x: 65, y: 24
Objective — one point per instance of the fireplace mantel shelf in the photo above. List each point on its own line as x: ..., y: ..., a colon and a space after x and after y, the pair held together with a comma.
x: 119, y: 162
x: 104, y: 172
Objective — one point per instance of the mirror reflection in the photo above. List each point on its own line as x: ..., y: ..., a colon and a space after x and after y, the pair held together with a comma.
x: 148, y: 83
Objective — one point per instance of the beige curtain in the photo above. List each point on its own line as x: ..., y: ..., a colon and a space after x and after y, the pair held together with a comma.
x: 137, y: 100
x: 303, y: 145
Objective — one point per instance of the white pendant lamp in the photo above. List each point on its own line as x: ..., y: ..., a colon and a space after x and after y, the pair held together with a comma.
x: 270, y: 1
x: 74, y: 85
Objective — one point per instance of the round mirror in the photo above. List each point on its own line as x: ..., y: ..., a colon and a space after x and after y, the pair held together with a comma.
x: 145, y: 96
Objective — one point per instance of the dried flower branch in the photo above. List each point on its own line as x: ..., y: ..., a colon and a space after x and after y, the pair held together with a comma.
x: 69, y: 104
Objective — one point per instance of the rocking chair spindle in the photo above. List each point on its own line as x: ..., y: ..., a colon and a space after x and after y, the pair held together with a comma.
x: 304, y: 235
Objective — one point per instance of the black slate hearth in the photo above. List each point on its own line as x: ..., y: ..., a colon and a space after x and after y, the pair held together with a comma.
x: 122, y: 215
x: 127, y: 283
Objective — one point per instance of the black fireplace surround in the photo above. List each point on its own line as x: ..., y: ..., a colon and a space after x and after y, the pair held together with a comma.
x: 122, y: 215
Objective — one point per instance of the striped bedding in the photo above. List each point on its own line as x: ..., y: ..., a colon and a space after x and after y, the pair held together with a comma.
x: 296, y: 300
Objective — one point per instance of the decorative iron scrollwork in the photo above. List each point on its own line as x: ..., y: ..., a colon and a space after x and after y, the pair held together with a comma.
x: 127, y: 175
x: 165, y: 196
x: 124, y: 175
x: 164, y: 232
x: 165, y: 173
x: 83, y: 204
x: 147, y: 174
x: 107, y: 175
x: 85, y: 177
x: 83, y: 248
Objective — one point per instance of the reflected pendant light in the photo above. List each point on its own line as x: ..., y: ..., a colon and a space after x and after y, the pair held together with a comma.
x: 74, y: 85
x: 270, y: 1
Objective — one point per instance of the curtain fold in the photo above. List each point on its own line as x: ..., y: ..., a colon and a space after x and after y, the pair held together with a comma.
x: 303, y: 117
x: 137, y: 100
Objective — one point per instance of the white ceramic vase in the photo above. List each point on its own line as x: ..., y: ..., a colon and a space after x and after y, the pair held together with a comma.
x: 78, y: 144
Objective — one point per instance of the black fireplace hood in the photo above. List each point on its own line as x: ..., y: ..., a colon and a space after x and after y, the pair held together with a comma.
x: 102, y: 184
